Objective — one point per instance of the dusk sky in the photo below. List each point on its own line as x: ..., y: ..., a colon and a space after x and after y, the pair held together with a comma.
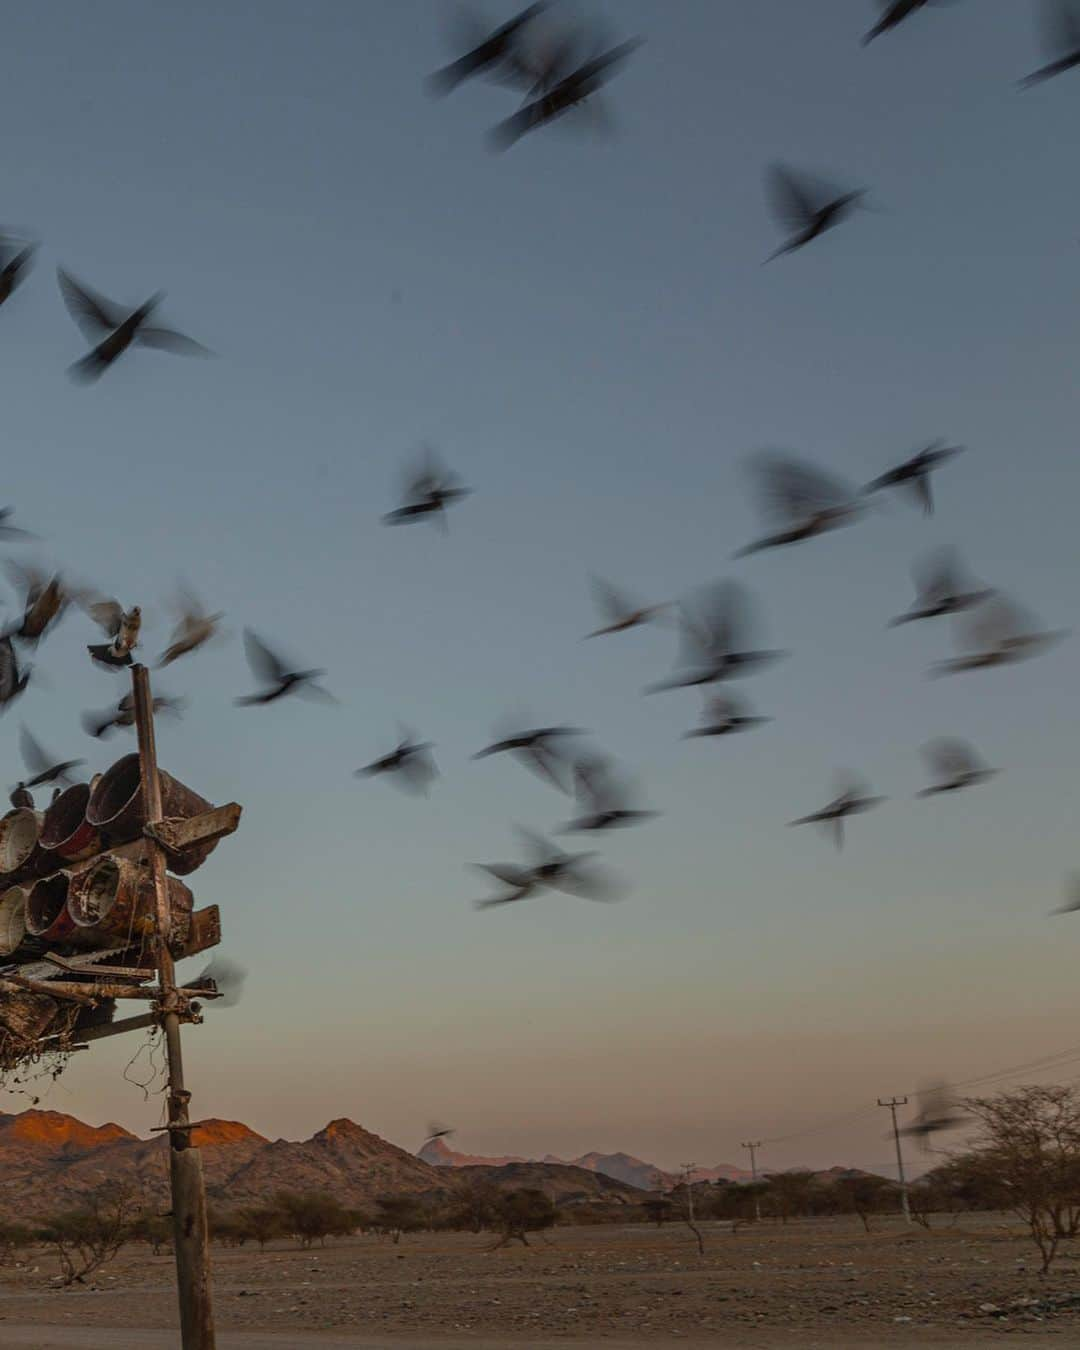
x: 583, y: 328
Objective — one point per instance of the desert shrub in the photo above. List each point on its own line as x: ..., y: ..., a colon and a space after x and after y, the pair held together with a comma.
x: 86, y: 1238
x: 522, y: 1212
x: 313, y: 1215
x: 399, y: 1214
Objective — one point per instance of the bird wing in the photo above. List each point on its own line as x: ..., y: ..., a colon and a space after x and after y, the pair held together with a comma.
x: 25, y: 578
x: 539, y: 849
x: 612, y: 602
x: 919, y: 487
x: 950, y: 757
x: 33, y: 755
x: 509, y: 873
x: 9, y: 670
x: 264, y: 664
x: 790, y: 489
x: 791, y: 198
x: 722, y: 708
x: 107, y: 614
x: 168, y: 340
x: 1061, y: 24
x: 994, y: 622
x: 936, y: 575
x: 94, y: 314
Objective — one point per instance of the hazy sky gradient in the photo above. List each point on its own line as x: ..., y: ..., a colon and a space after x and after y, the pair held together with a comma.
x: 582, y: 326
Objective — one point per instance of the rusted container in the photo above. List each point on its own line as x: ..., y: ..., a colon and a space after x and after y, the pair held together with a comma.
x: 19, y: 832
x: 47, y: 914
x: 113, y: 901
x: 25, y: 1015
x: 12, y: 919
x: 66, y: 833
x: 116, y: 809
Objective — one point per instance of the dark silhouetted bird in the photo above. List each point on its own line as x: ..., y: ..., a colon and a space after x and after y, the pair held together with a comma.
x: 44, y: 768
x: 805, y: 206
x: 538, y: 748
x: 114, y: 328
x: 896, y: 11
x: 410, y: 763
x: 604, y: 796
x: 121, y: 626
x: 852, y: 799
x: 44, y: 600
x: 490, y: 49
x: 12, y: 681
x: 716, y: 629
x: 14, y: 263
x: 619, y: 610
x: 1061, y: 25
x: 429, y: 488
x: 21, y: 798
x: 568, y: 93
x: 954, y: 764
x: 542, y: 55
x: 1072, y: 896
x: 723, y: 715
x: 941, y: 587
x: 999, y: 632
x: 274, y: 672
x: 436, y: 1131
x: 799, y: 499
x: 937, y: 1112
x: 194, y: 627
x: 123, y: 715
x: 548, y: 868
x: 914, y: 473
x: 222, y: 980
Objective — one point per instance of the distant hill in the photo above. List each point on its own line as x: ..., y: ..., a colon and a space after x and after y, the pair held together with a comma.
x: 564, y: 1183
x: 619, y: 1166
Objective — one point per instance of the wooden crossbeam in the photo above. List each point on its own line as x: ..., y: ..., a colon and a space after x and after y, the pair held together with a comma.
x: 175, y: 834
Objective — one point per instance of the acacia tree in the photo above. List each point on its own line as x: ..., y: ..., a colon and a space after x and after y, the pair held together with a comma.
x: 311, y: 1216
x: 789, y: 1192
x: 86, y: 1238
x: 262, y: 1223
x: 1028, y: 1148
x: 522, y: 1212
x: 399, y: 1214
x: 864, y: 1195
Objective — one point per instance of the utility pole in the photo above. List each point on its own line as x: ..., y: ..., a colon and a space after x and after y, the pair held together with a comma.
x: 753, y: 1145
x: 687, y: 1170
x: 190, y: 1238
x: 892, y: 1104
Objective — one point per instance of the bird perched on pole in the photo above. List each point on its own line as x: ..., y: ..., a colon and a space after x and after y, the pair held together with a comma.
x: 122, y: 627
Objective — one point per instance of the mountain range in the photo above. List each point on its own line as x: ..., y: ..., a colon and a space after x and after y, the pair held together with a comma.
x: 622, y: 1167
x: 51, y: 1161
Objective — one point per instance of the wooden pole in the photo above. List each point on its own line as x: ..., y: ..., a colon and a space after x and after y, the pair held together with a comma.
x: 185, y: 1162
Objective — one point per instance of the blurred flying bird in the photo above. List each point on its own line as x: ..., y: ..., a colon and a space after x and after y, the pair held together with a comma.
x: 410, y: 763
x: 800, y: 499
x: 619, y: 610
x: 570, y: 92
x: 724, y: 714
x: 604, y: 796
x: 20, y: 797
x: 14, y: 262
x: 548, y: 868
x: 852, y: 799
x: 542, y: 56
x: 955, y: 765
x: 44, y: 600
x: 937, y: 1112
x: 538, y: 748
x: 193, y: 628
x: 12, y: 682
x: 896, y: 11
x: 1061, y: 27
x: 941, y: 588
x: 222, y: 980
x: 123, y: 715
x: 8, y: 531
x: 274, y: 672
x: 489, y: 50
x: 1072, y: 896
x: 805, y: 206
x: 998, y: 632
x: 120, y: 625
x: 114, y: 328
x: 437, y: 1131
x: 429, y: 488
x: 715, y: 628
x: 914, y: 473
x: 44, y: 768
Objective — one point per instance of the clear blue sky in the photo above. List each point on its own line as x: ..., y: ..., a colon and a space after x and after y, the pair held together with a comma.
x: 583, y: 328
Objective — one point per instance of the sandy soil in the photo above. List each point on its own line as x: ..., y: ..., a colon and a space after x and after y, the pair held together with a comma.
x: 821, y: 1283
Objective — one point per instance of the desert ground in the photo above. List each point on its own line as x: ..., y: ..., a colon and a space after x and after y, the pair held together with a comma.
x: 813, y: 1283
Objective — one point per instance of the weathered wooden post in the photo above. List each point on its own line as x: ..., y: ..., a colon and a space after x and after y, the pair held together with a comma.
x: 190, y: 1236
